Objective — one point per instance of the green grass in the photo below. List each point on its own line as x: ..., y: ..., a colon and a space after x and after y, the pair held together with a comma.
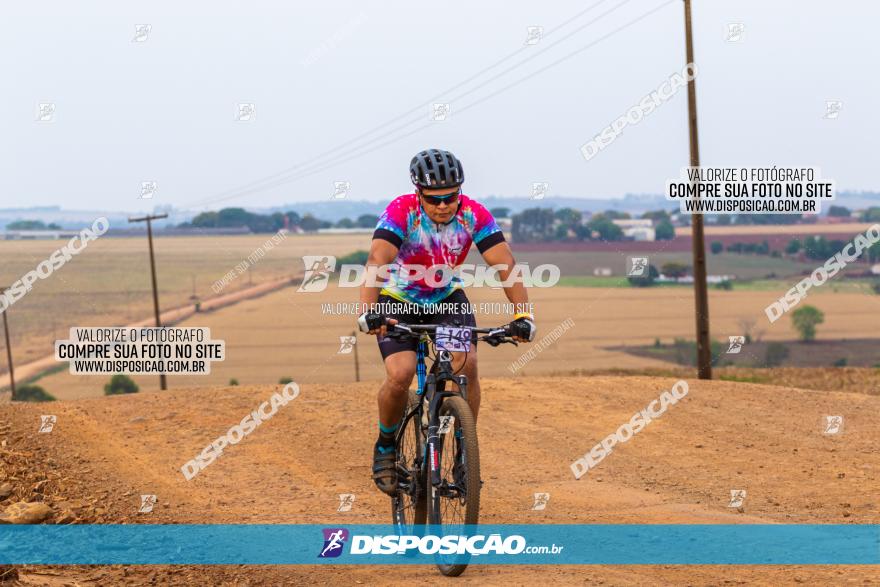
x: 775, y: 285
x: 51, y: 371
x: 592, y: 281
x: 589, y: 281
x: 744, y: 378
x: 783, y: 285
x: 753, y: 266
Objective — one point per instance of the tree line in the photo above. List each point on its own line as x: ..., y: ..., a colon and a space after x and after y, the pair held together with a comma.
x: 238, y: 217
x: 568, y: 224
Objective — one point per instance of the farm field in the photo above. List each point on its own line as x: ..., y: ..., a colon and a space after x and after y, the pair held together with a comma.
x: 854, y: 286
x: 847, y: 352
x: 108, y: 283
x: 793, y: 229
x: 285, y: 333
x: 583, y: 263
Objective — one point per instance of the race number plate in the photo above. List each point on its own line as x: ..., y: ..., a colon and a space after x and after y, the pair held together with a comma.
x: 456, y: 340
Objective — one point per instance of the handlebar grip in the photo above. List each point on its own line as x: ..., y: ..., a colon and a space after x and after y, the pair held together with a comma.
x: 368, y: 321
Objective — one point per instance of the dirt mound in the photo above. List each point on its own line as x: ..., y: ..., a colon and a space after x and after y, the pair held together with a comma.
x: 103, y: 454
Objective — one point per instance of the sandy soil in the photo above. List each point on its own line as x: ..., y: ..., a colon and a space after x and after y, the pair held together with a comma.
x: 105, y: 452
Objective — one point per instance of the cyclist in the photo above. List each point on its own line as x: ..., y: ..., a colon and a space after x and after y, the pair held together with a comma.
x: 436, y: 225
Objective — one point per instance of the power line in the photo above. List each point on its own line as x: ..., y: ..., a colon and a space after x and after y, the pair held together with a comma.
x: 315, y: 161
x: 359, y: 151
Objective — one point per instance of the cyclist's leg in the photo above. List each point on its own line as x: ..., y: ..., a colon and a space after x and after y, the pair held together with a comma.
x: 469, y: 360
x: 400, y: 364
x: 400, y: 368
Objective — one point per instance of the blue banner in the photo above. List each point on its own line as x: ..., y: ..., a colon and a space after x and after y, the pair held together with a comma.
x: 353, y: 544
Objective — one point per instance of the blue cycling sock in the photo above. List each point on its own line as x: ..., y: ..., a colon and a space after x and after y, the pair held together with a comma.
x: 388, y: 429
x: 386, y: 437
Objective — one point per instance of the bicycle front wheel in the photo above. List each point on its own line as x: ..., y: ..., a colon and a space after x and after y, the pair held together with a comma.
x: 409, y: 507
x: 455, y: 502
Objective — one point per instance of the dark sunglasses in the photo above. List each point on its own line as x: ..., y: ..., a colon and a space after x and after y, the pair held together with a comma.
x: 450, y: 198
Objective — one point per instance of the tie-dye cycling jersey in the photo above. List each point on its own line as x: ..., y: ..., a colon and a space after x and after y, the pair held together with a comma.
x: 421, y: 241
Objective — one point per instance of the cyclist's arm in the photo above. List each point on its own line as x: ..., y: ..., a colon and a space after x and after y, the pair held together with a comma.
x: 382, y: 253
x: 501, y: 254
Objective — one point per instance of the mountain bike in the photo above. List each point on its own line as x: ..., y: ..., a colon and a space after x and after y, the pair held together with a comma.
x: 438, y: 457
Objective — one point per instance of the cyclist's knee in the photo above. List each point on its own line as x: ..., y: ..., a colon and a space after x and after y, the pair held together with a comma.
x: 399, y: 377
x: 468, y: 363
x: 400, y: 368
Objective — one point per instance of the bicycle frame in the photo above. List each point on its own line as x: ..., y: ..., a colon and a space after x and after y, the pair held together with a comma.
x: 429, y: 393
x: 422, y: 486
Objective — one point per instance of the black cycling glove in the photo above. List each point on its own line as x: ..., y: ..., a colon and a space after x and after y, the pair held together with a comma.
x: 523, y: 326
x: 370, y: 321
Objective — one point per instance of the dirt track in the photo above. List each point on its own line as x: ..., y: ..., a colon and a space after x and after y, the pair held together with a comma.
x: 106, y: 452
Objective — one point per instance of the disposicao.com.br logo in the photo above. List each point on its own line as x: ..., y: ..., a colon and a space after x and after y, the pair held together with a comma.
x: 452, y: 544
x: 334, y: 540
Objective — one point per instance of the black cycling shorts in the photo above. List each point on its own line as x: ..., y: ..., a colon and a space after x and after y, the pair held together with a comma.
x: 457, y: 313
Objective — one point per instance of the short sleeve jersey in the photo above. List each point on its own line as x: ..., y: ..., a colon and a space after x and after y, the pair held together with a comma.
x: 423, y: 242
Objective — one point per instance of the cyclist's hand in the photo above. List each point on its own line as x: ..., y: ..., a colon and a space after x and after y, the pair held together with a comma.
x: 384, y: 329
x: 523, y: 328
x: 372, y: 323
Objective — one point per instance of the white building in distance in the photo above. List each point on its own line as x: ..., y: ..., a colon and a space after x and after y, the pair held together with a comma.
x: 639, y: 229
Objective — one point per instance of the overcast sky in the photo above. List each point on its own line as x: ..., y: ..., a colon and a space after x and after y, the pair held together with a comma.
x: 163, y: 106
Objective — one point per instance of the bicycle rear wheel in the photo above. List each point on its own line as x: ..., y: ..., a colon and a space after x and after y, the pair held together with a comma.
x: 456, y: 501
x: 409, y: 507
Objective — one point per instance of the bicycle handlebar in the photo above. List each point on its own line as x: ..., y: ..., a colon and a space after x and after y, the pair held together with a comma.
x: 493, y: 336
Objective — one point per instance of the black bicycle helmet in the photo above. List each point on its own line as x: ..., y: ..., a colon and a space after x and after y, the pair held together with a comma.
x: 436, y: 168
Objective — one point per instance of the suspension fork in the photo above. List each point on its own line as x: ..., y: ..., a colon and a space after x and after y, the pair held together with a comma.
x: 421, y: 370
x: 434, y: 442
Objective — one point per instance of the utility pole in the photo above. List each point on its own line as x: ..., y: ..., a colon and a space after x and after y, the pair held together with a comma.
x: 8, y: 350
x: 149, y: 220
x: 194, y: 298
x: 357, y: 366
x: 701, y: 294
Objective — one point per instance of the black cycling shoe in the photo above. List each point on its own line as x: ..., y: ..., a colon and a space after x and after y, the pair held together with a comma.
x: 385, y: 471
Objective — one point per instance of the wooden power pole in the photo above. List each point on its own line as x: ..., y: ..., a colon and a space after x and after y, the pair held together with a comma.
x: 149, y: 221
x: 8, y: 350
x: 701, y: 294
x: 357, y: 365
